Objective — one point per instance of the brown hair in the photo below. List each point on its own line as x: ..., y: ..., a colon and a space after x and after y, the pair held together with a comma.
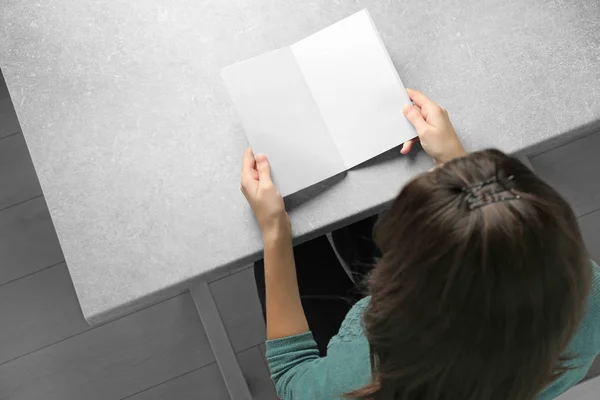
x: 474, y: 304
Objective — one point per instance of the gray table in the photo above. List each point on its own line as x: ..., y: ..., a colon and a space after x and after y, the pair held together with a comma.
x: 137, y: 146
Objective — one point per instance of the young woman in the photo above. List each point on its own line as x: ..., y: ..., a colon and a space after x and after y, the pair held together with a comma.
x: 484, y: 289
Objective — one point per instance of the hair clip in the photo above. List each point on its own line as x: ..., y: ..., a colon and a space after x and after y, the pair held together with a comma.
x: 489, y: 198
x: 476, y: 199
x: 487, y: 182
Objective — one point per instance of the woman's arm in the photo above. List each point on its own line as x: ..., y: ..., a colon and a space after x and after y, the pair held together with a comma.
x: 436, y: 133
x: 285, y: 315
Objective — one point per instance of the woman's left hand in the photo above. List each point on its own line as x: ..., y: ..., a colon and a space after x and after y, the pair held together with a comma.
x: 407, y: 146
x: 262, y: 195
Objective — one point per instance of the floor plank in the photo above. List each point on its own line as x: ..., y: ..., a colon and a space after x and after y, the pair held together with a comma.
x: 263, y: 352
x: 115, y: 360
x: 590, y: 229
x: 28, y: 240
x: 37, y: 311
x: 219, y: 342
x: 9, y: 123
x: 204, y: 383
x: 257, y: 374
x: 18, y: 180
x: 573, y: 170
x: 238, y: 304
x: 207, y: 383
x: 238, y: 268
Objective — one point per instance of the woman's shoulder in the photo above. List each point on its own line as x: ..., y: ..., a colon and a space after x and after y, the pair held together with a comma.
x: 595, y: 291
x: 587, y: 338
x: 351, y: 329
x: 593, y: 311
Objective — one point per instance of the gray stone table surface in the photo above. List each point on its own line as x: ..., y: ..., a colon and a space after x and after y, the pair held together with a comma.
x: 138, y: 147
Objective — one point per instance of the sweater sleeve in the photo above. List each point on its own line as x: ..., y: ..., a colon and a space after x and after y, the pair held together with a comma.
x: 300, y: 374
x: 289, y: 359
x: 593, y: 312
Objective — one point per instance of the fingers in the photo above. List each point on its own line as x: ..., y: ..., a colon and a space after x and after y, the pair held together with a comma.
x: 407, y: 146
x: 248, y: 162
x: 415, y: 118
x: 249, y: 173
x: 425, y: 103
x: 255, y: 171
x: 264, y: 170
x: 419, y: 98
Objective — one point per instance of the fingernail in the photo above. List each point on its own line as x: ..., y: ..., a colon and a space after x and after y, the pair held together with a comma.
x: 407, y: 109
x: 261, y: 158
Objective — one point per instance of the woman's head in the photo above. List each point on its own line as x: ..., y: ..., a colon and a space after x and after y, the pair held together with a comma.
x: 482, y: 282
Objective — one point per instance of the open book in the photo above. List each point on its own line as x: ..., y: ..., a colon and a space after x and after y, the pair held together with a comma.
x: 323, y: 105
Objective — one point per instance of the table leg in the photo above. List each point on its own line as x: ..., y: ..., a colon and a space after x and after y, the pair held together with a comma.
x: 219, y: 341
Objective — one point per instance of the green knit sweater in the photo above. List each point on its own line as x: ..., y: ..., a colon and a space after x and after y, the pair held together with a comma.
x: 300, y: 374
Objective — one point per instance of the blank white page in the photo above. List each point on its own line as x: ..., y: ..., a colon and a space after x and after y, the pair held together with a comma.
x: 356, y: 88
x: 281, y: 120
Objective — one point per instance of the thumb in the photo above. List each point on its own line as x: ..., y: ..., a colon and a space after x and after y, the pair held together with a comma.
x: 415, y: 118
x: 264, y: 169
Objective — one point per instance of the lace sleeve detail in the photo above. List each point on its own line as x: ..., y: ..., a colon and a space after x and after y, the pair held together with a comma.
x: 352, y: 327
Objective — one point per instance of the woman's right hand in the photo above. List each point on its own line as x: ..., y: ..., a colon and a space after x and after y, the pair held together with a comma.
x: 434, y: 128
x: 263, y: 197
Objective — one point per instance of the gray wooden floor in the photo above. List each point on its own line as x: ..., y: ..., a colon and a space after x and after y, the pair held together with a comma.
x: 48, y: 351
